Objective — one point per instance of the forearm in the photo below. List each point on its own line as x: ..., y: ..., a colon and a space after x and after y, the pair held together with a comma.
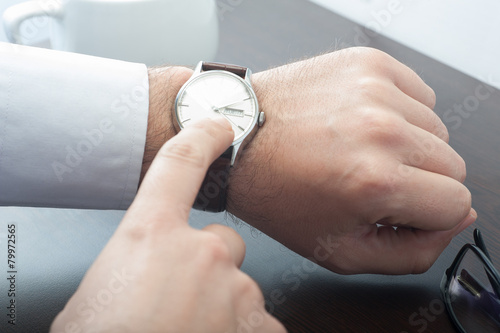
x: 164, y: 83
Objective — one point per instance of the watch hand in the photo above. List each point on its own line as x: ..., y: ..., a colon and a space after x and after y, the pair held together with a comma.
x: 204, y: 103
x: 230, y: 104
x: 222, y: 114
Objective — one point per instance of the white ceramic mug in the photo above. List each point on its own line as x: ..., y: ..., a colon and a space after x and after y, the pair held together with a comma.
x: 153, y: 32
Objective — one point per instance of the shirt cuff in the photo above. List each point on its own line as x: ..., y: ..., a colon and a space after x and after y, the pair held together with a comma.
x: 72, y: 129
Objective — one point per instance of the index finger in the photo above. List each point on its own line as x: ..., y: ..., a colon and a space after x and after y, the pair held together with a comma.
x: 170, y: 187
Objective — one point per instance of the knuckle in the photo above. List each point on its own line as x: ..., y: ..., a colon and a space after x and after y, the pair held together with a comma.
x: 375, y: 181
x: 378, y: 57
x: 215, y: 249
x: 381, y: 127
x: 431, y: 99
x: 375, y: 55
x: 377, y: 60
x: 369, y: 86
x: 184, y: 153
x: 441, y: 131
x: 377, y: 186
x: 135, y: 234
x: 367, y: 61
x: 250, y: 289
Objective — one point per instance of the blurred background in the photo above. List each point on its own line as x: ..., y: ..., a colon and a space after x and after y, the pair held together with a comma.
x: 445, y: 30
x: 39, y: 36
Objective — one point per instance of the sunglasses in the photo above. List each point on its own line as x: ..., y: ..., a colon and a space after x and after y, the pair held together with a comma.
x: 471, y: 289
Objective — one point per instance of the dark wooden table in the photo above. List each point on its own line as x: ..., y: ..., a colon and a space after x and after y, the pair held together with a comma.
x: 261, y: 34
x: 57, y: 246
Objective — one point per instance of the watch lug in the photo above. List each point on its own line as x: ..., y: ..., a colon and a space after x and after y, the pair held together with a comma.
x: 197, y: 69
x: 248, y: 75
x: 236, y: 148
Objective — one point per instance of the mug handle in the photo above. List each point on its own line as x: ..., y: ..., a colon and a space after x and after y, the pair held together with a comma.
x: 15, y: 15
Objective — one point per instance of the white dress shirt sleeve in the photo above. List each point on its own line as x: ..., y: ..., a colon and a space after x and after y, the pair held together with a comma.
x: 72, y: 129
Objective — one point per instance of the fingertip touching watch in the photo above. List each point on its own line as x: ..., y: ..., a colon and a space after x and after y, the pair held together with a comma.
x: 219, y: 90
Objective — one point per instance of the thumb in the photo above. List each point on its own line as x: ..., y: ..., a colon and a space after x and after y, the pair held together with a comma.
x: 175, y: 176
x: 385, y: 250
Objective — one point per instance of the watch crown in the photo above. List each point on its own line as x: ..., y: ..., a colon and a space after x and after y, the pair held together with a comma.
x: 262, y: 118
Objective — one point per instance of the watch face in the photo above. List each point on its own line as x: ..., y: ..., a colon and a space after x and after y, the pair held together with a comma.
x: 218, y: 94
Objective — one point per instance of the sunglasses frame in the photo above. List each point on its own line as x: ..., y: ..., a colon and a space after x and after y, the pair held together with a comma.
x: 479, y: 248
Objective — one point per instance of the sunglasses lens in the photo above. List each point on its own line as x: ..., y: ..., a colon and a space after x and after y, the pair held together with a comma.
x: 473, y: 295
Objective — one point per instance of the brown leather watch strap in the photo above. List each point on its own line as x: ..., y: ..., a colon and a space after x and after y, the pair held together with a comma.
x: 213, y: 192
x: 238, y: 70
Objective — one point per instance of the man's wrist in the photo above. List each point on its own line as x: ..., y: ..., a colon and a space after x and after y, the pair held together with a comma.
x: 250, y: 173
x: 164, y: 84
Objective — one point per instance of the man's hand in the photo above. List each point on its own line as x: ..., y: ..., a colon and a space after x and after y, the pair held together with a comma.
x: 351, y: 149
x: 157, y: 274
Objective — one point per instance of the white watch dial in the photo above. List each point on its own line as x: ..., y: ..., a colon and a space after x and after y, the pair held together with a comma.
x: 218, y: 94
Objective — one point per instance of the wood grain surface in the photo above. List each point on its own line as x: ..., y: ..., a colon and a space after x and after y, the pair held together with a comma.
x: 262, y: 34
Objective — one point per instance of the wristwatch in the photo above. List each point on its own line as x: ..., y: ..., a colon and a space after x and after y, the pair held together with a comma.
x: 219, y: 90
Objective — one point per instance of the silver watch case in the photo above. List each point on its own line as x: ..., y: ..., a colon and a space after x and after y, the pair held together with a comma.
x: 257, y: 122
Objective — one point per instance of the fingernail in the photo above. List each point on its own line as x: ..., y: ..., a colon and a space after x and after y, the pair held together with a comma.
x: 471, y: 218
